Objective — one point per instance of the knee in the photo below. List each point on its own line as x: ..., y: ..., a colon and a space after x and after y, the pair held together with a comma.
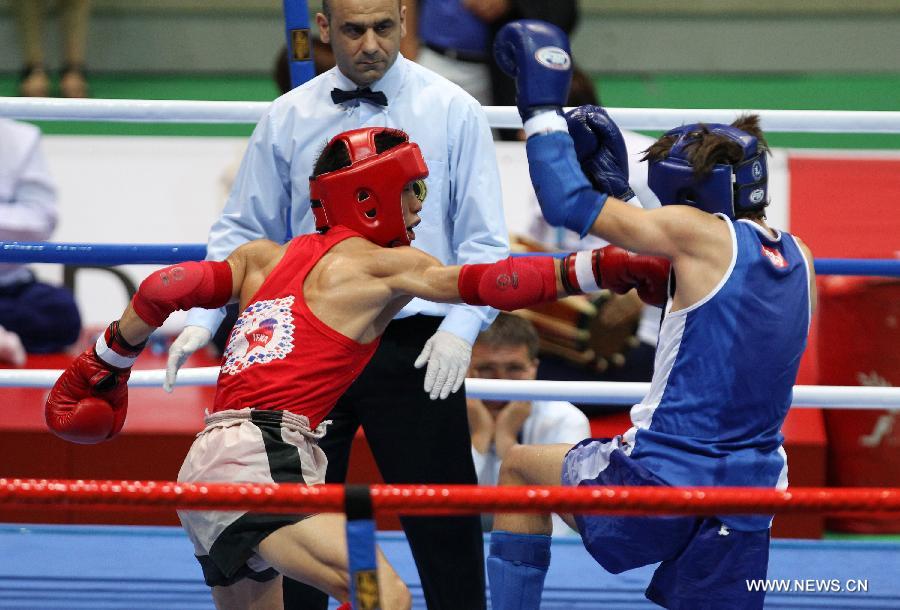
x: 512, y: 470
x: 339, y: 585
x: 395, y: 595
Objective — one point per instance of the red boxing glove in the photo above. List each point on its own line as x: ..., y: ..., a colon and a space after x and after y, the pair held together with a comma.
x: 88, y: 402
x: 618, y: 270
x: 652, y: 276
x: 621, y: 270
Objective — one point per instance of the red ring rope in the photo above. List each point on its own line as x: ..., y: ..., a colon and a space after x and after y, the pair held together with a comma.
x: 448, y: 499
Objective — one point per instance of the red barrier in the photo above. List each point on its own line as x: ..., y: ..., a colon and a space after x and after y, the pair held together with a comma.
x: 859, y: 331
x: 450, y: 499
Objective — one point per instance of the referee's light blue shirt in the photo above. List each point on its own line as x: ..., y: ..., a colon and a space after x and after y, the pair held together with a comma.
x: 462, y: 220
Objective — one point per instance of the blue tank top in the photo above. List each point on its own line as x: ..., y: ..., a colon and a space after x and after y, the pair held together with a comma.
x: 724, y: 374
x: 449, y: 25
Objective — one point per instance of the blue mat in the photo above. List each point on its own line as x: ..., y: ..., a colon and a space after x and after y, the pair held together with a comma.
x: 73, y: 567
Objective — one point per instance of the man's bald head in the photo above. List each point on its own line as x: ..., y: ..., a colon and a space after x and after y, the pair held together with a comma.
x: 326, y: 7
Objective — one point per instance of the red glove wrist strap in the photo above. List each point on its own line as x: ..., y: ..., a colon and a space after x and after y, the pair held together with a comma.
x: 580, y: 272
x: 114, y: 351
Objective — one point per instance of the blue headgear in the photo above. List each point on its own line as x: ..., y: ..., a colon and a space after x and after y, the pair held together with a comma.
x: 726, y: 189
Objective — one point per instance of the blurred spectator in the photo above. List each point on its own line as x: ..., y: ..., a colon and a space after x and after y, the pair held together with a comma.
x: 323, y: 60
x: 453, y: 38
x: 73, y: 25
x: 41, y: 317
x: 508, y: 350
x: 582, y: 90
x: 281, y: 73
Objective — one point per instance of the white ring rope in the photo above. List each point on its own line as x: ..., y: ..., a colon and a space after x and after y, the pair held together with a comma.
x: 585, y: 392
x: 660, y: 119
x: 138, y: 111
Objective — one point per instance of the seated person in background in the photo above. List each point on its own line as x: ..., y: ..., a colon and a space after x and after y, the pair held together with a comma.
x: 314, y: 311
x: 34, y: 317
x: 508, y: 350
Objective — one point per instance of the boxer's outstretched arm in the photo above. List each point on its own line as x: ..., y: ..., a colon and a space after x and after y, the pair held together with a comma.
x: 514, y: 283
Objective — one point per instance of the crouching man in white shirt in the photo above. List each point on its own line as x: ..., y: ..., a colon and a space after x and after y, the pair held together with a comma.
x: 508, y: 350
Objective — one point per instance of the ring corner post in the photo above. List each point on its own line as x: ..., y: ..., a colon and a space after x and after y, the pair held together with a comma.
x: 364, y: 591
x: 299, y: 43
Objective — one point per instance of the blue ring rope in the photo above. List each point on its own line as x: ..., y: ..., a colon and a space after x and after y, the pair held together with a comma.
x: 857, y: 266
x: 100, y: 254
x: 167, y: 254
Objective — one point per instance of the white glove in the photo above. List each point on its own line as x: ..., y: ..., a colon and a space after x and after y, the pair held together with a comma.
x: 448, y: 359
x: 189, y: 341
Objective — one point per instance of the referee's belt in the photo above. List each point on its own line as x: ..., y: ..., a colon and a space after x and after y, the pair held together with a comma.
x: 469, y: 56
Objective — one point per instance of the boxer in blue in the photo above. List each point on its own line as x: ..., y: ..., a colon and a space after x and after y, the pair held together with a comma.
x: 735, y: 326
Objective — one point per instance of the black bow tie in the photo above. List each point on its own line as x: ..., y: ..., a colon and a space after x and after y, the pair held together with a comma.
x: 339, y: 96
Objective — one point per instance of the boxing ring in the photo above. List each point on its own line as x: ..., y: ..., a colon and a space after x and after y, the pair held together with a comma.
x: 147, y: 567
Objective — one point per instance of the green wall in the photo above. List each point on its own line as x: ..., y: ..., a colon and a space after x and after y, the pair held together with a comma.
x: 818, y: 92
x: 768, y: 92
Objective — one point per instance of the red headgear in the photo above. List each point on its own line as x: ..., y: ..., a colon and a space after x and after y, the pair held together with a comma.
x: 365, y: 196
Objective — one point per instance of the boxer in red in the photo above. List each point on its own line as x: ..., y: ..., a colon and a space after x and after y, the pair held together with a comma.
x: 313, y: 312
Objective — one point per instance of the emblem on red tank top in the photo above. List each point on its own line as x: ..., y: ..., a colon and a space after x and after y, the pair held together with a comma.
x: 775, y: 257
x: 260, y: 336
x: 264, y: 332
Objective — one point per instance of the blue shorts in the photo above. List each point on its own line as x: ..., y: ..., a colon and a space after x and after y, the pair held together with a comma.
x: 704, y: 563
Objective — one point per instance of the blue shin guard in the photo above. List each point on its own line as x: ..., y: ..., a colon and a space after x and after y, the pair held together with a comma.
x: 516, y: 569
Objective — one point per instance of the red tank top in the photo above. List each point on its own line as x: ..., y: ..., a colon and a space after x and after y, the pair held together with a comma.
x: 279, y: 355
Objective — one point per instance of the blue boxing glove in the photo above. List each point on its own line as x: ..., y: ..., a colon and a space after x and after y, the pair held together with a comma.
x: 601, y: 150
x: 564, y: 194
x: 536, y: 55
